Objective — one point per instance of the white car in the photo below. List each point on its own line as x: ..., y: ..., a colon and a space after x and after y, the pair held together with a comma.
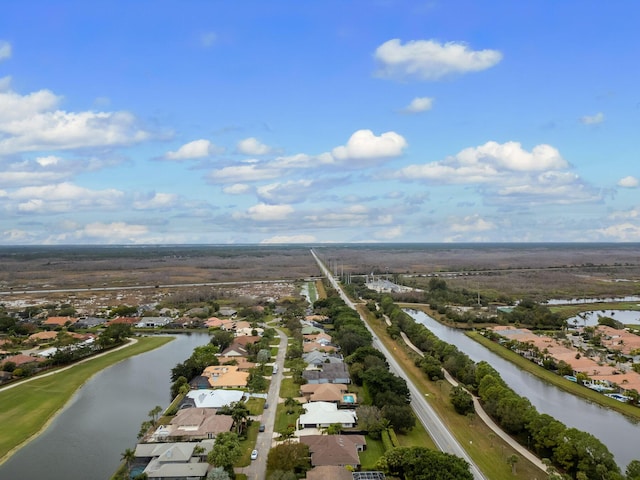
x: 254, y: 454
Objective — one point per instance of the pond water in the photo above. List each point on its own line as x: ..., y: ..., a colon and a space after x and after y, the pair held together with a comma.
x: 589, y: 319
x: 102, y: 420
x: 575, y: 301
x: 617, y: 432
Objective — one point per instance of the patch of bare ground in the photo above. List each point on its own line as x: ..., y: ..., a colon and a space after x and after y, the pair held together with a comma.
x: 540, y: 270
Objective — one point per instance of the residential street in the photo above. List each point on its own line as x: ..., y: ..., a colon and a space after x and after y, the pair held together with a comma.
x: 425, y: 413
x: 258, y: 467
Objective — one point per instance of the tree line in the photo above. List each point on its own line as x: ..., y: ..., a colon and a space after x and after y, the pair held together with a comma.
x: 573, y: 453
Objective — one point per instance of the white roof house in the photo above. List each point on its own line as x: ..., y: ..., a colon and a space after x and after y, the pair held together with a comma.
x: 324, y: 414
x: 215, y: 398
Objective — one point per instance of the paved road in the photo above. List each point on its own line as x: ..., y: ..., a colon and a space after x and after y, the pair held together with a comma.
x: 484, y: 416
x: 257, y: 469
x: 425, y: 413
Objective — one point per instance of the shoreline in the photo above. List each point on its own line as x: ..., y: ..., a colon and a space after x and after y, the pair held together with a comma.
x: 47, y: 423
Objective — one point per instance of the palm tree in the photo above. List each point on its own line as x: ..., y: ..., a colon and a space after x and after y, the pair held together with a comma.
x: 128, y: 456
x: 512, y: 460
x: 153, y: 413
x: 239, y: 413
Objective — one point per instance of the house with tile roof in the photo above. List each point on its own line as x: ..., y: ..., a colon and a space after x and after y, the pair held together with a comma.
x: 337, y: 450
x: 225, y: 376
x: 326, y: 392
x: 59, y: 321
x: 195, y: 423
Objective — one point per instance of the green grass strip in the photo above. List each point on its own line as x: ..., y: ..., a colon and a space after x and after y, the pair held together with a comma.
x: 27, y: 408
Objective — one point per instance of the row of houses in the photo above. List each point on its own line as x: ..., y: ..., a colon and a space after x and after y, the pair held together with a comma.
x: 598, y: 372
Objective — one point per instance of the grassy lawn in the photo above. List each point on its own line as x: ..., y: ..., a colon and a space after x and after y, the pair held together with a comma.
x: 370, y: 456
x: 555, y: 379
x: 26, y: 408
x: 248, y: 445
x: 416, y: 437
x: 255, y: 405
x: 283, y: 419
x: 288, y: 388
x: 487, y: 452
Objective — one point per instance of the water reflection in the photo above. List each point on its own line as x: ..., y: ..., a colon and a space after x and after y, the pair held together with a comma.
x: 617, y: 432
x: 589, y: 319
x: 103, y: 419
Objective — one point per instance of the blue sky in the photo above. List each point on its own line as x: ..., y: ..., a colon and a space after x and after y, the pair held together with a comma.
x: 306, y: 121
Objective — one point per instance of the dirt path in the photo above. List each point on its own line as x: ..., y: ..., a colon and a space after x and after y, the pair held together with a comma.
x: 484, y: 416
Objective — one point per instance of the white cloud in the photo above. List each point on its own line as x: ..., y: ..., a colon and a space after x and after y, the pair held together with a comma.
x: 208, y: 39
x: 487, y: 163
x: 623, y: 232
x: 302, y: 160
x: 253, y: 146
x: 419, y: 104
x: 5, y: 50
x: 266, y: 213
x: 5, y: 83
x: 48, y: 161
x: 237, y: 189
x: 157, y: 201
x: 389, y: 233
x: 115, y: 232
x: 244, y: 173
x: 508, y: 174
x: 30, y: 123
x: 592, y: 119
x: 364, y: 145
x: 196, y: 149
x: 289, y: 239
x: 471, y: 223
x: 628, y: 182
x: 63, y: 197
x: 287, y: 192
x: 430, y: 60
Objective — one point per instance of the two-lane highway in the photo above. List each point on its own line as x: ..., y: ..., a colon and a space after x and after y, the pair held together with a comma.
x: 425, y: 413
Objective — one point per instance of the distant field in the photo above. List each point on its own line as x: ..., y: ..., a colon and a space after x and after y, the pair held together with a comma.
x: 545, y: 270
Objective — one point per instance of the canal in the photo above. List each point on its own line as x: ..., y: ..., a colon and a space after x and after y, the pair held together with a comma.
x: 103, y: 419
x: 617, y: 432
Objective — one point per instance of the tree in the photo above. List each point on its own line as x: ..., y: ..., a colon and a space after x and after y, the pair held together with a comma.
x: 114, y: 334
x: 633, y: 470
x: 512, y: 460
x: 176, y: 387
x: 256, y: 381
x: 226, y: 451
x: 153, y: 413
x: 333, y: 429
x: 579, y: 451
x: 128, y: 456
x: 289, y: 457
x: 461, y: 400
x: 218, y: 473
x: 400, y: 417
x: 239, y: 413
x: 370, y: 419
x: 221, y: 339
x: 419, y: 463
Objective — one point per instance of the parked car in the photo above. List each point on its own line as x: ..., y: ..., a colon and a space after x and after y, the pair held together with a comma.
x: 266, y: 405
x: 261, y: 427
x: 254, y: 454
